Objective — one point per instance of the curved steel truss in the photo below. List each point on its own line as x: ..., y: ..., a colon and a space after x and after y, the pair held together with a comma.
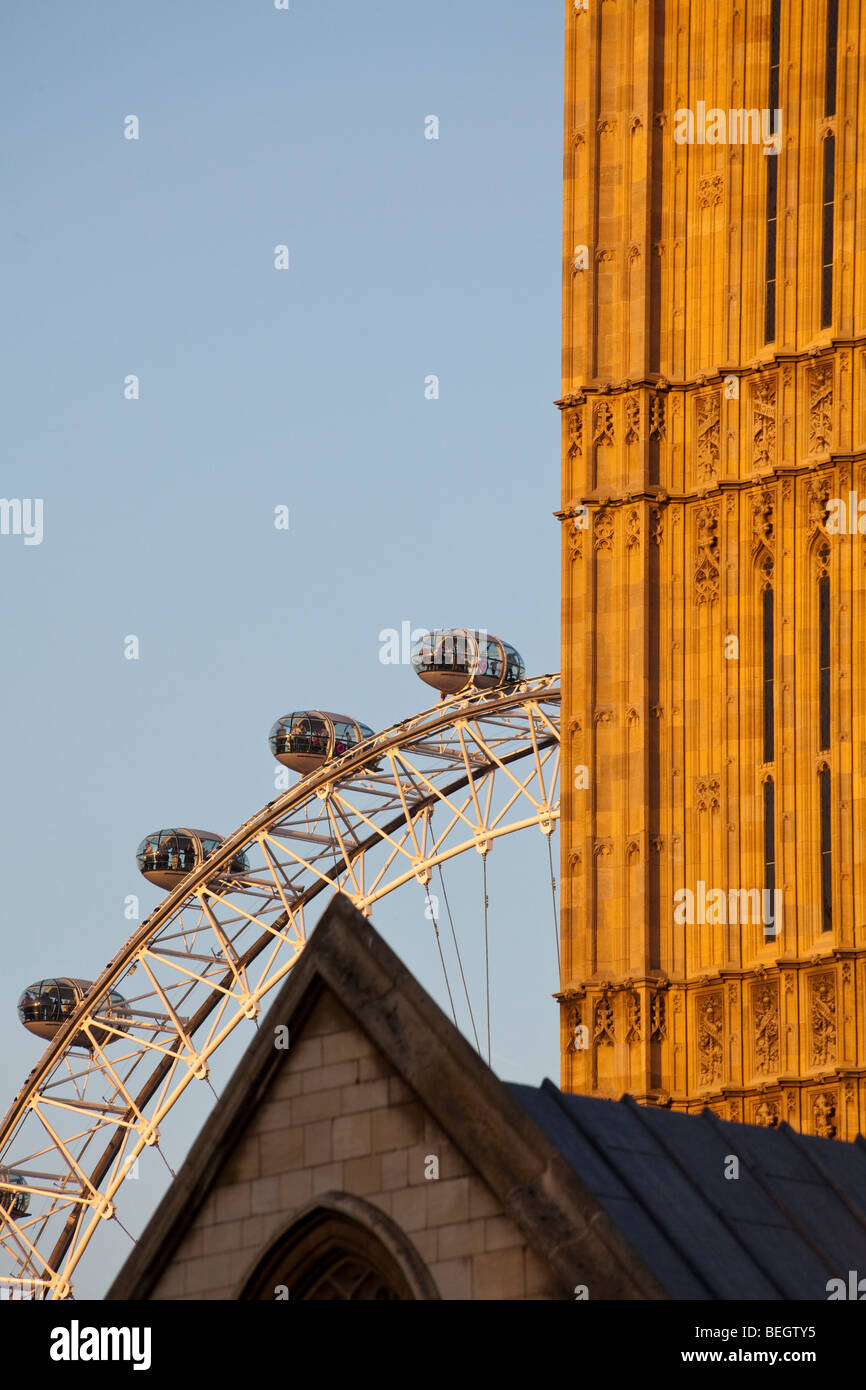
x: 457, y: 777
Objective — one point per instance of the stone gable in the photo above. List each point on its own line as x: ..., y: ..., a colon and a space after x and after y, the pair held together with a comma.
x: 336, y: 1117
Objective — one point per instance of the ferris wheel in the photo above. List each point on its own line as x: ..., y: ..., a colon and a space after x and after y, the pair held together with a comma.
x: 370, y: 813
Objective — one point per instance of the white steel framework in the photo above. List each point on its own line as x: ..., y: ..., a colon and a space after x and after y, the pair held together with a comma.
x: 459, y: 776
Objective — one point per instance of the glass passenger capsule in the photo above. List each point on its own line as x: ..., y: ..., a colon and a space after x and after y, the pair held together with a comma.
x: 44, y: 1007
x: 15, y: 1203
x: 167, y: 856
x: 306, y: 739
x: 464, y: 658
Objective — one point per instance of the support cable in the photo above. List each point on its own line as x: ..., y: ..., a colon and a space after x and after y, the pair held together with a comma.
x: 459, y: 960
x: 441, y: 956
x: 555, y: 919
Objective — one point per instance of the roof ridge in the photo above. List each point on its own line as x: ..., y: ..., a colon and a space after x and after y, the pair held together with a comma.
x: 559, y: 1099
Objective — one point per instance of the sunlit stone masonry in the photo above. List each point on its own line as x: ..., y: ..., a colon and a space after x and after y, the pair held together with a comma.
x: 713, y: 558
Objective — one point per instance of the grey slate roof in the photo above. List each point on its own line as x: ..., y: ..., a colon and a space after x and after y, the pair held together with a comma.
x: 794, y: 1218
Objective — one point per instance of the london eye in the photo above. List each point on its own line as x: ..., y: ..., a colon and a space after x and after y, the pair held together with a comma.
x: 371, y: 814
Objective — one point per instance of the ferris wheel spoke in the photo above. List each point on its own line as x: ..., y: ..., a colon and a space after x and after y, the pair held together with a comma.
x: 471, y: 781
x: 280, y: 882
x: 401, y: 792
x: 348, y: 858
x: 522, y: 787
x: 226, y: 946
x: 441, y: 795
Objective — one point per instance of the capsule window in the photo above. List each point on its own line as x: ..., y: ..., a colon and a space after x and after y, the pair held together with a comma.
x: 491, y: 663
x: 280, y: 736
x: 15, y: 1203
x: 514, y: 668
x: 344, y: 737
x: 457, y: 652
x: 48, y: 1001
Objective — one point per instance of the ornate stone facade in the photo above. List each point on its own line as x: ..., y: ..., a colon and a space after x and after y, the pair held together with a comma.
x: 719, y: 439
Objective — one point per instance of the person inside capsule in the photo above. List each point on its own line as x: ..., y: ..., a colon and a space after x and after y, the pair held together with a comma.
x: 167, y: 856
x: 46, y: 1005
x: 15, y: 1203
x: 462, y: 658
x: 47, y: 1002
x: 306, y: 739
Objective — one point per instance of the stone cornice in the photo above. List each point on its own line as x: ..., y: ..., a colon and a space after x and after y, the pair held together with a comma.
x: 661, y: 497
x: 715, y: 378
x: 717, y: 974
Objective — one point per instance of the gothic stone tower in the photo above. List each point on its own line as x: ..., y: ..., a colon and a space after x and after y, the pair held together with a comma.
x: 714, y: 587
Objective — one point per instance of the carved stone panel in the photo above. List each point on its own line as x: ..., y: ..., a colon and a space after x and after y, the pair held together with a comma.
x: 603, y: 1031
x: 763, y: 522
x: 575, y: 1024
x: 657, y: 416
x: 767, y: 1114
x: 575, y: 433
x: 820, y: 380
x: 632, y: 419
x: 709, y: 1029
x: 603, y: 533
x: 633, y: 1032
x: 708, y: 792
x: 707, y: 433
x: 817, y: 497
x: 602, y: 424
x: 710, y: 190
x: 765, y: 1012
x: 658, y: 1026
x: 822, y: 1019
x: 764, y: 423
x: 824, y: 1114
x: 707, y: 560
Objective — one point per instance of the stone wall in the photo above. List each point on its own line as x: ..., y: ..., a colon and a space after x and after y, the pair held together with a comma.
x: 338, y: 1118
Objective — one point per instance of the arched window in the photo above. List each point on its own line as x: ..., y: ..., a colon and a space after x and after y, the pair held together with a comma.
x: 768, y: 658
x: 341, y: 1249
x: 822, y: 559
x: 829, y: 179
x: 772, y: 170
x: 764, y: 564
x: 824, y: 647
x: 770, y: 854
x: 826, y: 849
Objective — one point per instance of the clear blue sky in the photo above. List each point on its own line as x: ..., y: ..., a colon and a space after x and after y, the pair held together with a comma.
x: 258, y: 387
